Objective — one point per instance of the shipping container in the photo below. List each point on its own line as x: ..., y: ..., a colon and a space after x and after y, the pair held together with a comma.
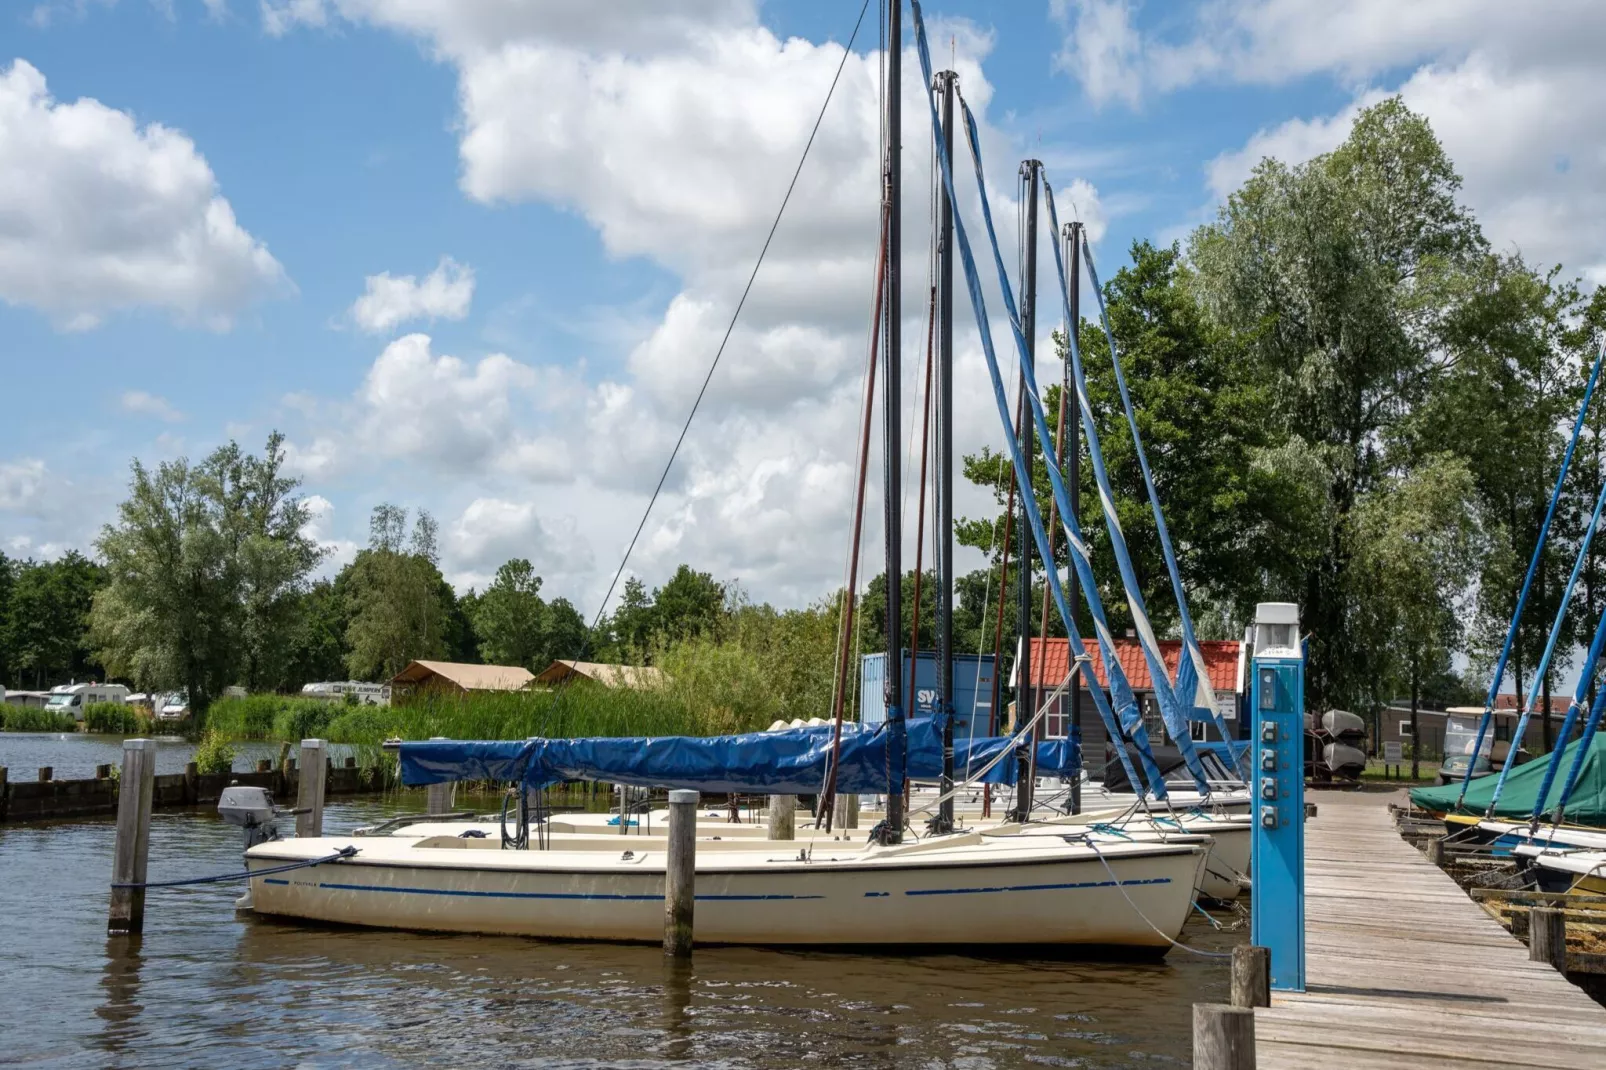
x: 973, y: 690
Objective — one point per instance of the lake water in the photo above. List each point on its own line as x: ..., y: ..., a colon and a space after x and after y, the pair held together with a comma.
x: 74, y: 755
x: 207, y: 986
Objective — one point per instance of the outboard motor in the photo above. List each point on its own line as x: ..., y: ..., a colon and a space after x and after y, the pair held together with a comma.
x: 251, y: 809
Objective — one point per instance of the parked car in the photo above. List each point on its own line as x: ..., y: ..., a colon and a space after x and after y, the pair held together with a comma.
x: 1460, y: 735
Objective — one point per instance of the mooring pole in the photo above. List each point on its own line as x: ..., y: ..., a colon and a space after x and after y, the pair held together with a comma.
x: 309, y: 791
x: 1025, y: 700
x: 783, y: 817
x: 440, y: 796
x: 1547, y: 937
x: 1251, y: 976
x: 892, y: 432
x: 132, y: 847
x: 680, y: 873
x: 1073, y: 483
x: 944, y: 535
x: 1223, y: 1037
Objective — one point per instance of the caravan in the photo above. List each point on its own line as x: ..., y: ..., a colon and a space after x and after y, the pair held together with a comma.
x: 72, y: 698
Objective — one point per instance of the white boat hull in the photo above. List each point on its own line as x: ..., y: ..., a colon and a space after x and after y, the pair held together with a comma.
x: 964, y: 896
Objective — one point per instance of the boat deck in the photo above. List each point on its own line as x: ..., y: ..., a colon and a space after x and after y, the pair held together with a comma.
x: 1403, y: 970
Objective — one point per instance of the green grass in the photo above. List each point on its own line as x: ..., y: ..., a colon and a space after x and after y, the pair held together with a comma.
x: 35, y: 719
x: 1429, y: 772
x: 273, y: 717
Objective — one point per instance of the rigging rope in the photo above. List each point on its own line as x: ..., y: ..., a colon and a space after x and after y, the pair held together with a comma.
x: 1022, y: 468
x: 1585, y: 675
x: 1527, y: 582
x: 344, y: 852
x: 847, y: 50
x: 1191, y: 668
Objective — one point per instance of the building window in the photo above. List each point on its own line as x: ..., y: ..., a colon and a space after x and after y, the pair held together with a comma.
x: 1054, y: 721
x: 1405, y: 729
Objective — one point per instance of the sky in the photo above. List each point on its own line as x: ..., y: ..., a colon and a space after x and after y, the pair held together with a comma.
x: 475, y: 256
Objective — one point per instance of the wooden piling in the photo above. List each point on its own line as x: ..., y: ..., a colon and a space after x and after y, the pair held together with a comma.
x: 783, y: 817
x: 309, y: 794
x: 5, y: 792
x: 439, y: 796
x: 103, y: 771
x: 1251, y: 976
x: 839, y: 813
x: 192, y: 782
x: 264, y: 765
x: 1547, y: 937
x: 680, y: 873
x: 132, y: 847
x: 1223, y: 1037
x: 46, y: 772
x: 1436, y: 852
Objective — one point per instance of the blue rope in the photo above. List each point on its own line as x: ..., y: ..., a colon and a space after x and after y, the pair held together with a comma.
x: 1023, y: 477
x: 1527, y: 582
x: 1535, y: 689
x: 344, y: 852
x: 1203, y: 694
x: 1170, y: 711
x: 1121, y: 691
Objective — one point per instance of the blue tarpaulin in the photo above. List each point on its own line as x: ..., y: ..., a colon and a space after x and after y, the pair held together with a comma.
x: 787, y: 762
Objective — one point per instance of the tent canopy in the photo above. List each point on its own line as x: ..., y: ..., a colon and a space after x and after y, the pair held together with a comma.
x: 1586, y: 807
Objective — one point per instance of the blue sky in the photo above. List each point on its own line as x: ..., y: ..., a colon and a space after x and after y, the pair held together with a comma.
x: 565, y: 198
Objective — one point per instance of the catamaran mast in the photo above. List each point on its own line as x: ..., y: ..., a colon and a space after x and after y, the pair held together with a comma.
x: 945, y: 462
x: 1024, y: 699
x: 892, y: 402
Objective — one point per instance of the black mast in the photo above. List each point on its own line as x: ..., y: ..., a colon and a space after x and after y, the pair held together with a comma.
x: 1073, y: 481
x: 1025, y: 701
x: 892, y: 371
x: 946, y: 81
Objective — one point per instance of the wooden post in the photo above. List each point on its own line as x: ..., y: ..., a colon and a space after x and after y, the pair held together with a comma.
x: 192, y: 780
x: 1436, y: 852
x: 1223, y: 1037
x: 439, y: 796
x: 351, y: 763
x: 1547, y: 937
x: 783, y: 817
x: 1251, y: 976
x: 102, y: 772
x: 680, y: 873
x: 45, y: 773
x: 839, y: 813
x: 132, y: 847
x: 309, y: 795
x: 5, y: 791
x: 853, y: 812
x: 264, y: 765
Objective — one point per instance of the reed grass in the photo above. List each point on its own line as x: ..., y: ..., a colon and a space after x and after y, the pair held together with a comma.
x: 35, y: 719
x: 116, y: 718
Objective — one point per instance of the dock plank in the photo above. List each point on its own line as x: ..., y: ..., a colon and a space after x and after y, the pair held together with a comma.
x: 1404, y: 970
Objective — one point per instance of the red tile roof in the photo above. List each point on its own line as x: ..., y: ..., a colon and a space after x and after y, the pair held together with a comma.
x: 1051, y: 661
x: 1558, y: 704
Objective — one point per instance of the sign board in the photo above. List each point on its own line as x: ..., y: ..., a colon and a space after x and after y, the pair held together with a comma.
x: 1393, y: 752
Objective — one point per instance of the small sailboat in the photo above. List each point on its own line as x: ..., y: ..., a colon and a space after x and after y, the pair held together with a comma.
x: 1559, y: 869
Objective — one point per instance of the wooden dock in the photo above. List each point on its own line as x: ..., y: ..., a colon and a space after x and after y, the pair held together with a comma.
x: 1404, y: 971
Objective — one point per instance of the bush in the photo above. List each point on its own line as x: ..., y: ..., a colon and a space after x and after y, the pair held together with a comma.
x: 35, y: 719
x: 117, y: 718
x: 213, y: 754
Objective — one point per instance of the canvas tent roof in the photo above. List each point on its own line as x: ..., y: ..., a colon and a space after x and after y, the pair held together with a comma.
x: 467, y: 677
x: 631, y: 676
x: 1586, y: 807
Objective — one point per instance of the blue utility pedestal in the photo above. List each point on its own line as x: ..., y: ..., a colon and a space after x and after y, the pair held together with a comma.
x: 1277, y: 779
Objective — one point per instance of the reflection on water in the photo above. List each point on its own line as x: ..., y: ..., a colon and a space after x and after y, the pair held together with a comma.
x: 206, y: 986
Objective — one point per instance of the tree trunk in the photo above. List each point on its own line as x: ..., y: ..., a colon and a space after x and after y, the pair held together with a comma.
x: 1416, y: 732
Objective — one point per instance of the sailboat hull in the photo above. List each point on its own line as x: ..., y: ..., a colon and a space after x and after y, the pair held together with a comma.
x: 1001, y: 897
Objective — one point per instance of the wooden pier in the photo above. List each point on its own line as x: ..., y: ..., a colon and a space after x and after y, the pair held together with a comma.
x: 1404, y: 971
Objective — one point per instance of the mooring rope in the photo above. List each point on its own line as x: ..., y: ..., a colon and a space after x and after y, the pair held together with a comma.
x: 1088, y: 839
x: 344, y: 852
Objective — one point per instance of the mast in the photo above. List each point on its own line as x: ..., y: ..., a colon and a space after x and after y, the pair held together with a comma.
x: 1024, y: 700
x: 945, y: 464
x: 892, y: 402
x: 1073, y: 479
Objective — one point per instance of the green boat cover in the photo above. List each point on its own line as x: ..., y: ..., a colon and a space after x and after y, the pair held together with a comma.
x: 1586, y: 807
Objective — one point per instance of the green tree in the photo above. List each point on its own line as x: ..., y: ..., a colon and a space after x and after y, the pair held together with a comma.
x: 510, y: 618
x: 46, y: 614
x: 398, y: 604
x: 1417, y: 546
x: 317, y: 641
x: 202, y: 560
x: 691, y: 603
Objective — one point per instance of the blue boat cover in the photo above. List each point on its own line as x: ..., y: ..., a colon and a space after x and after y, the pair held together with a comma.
x: 787, y: 762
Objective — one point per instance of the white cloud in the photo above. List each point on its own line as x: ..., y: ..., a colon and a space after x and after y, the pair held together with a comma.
x: 1101, y: 48
x: 99, y: 214
x: 388, y: 301
x: 672, y: 127
x: 145, y: 404
x: 319, y: 528
x: 21, y: 483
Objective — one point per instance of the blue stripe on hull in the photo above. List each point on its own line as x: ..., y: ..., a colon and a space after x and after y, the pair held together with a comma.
x: 616, y: 897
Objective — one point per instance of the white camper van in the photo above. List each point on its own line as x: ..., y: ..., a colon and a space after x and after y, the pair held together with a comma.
x: 72, y: 698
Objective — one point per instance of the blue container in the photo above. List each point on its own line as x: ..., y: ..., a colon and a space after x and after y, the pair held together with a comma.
x: 973, y: 690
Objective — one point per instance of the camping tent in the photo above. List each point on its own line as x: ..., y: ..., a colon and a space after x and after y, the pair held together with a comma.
x: 1586, y: 807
